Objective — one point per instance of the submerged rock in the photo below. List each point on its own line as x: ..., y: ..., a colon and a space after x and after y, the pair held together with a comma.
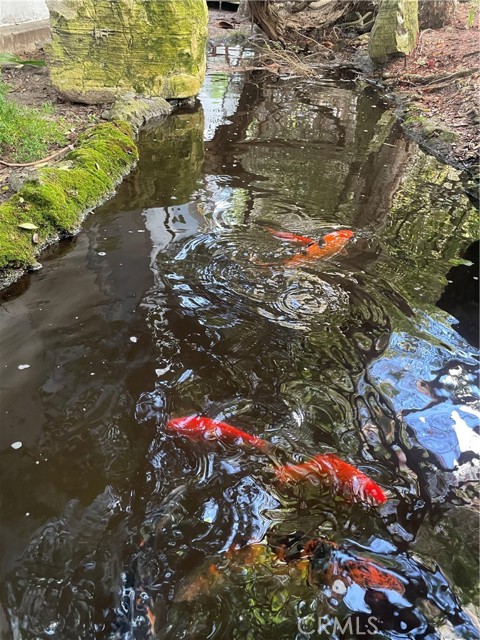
x: 101, y: 50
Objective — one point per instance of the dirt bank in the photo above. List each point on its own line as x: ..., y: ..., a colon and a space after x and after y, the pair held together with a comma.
x: 437, y: 89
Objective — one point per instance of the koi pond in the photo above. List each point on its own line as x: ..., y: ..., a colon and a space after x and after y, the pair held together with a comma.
x: 193, y: 292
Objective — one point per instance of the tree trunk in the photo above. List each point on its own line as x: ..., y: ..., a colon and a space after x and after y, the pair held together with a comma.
x: 435, y: 14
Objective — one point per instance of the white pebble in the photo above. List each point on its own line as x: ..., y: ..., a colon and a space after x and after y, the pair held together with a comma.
x: 102, y: 253
x: 16, y: 445
x: 24, y: 366
x: 133, y: 339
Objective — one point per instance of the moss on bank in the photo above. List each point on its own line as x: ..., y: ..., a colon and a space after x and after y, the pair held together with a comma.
x: 59, y: 197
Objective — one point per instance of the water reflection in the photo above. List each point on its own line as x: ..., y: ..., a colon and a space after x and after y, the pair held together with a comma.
x: 138, y: 531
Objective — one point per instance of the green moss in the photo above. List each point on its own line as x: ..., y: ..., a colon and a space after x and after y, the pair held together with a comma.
x: 56, y: 201
x: 428, y: 127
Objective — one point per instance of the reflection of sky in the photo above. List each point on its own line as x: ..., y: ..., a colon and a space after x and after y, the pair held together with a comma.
x: 219, y: 96
x: 170, y: 223
x: 428, y: 378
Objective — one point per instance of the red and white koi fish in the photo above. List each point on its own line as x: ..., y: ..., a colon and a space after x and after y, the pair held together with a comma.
x: 331, y: 562
x: 197, y: 427
x: 344, y: 478
x: 371, y: 576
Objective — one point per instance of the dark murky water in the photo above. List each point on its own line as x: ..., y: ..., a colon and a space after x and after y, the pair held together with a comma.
x: 163, y: 307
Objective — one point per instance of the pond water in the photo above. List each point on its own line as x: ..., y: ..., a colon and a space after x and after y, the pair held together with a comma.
x: 177, y: 298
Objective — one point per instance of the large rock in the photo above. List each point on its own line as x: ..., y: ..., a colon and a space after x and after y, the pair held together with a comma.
x: 102, y: 49
x: 395, y: 29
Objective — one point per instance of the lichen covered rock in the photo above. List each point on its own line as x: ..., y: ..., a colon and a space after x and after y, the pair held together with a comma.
x: 395, y: 29
x: 103, y: 49
x: 138, y: 111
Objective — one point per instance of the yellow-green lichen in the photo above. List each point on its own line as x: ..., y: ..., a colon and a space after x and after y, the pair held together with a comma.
x: 395, y: 29
x: 59, y: 196
x: 102, y: 50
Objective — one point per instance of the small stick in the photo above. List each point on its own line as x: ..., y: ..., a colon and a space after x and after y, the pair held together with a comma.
x: 70, y: 147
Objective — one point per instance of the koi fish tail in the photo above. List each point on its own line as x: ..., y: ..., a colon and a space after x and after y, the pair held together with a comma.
x: 266, y: 447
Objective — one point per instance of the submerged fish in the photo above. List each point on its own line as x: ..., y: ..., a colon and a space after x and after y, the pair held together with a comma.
x: 337, y: 568
x: 196, y: 427
x: 331, y: 244
x: 327, y: 247
x: 344, y: 478
x: 371, y: 576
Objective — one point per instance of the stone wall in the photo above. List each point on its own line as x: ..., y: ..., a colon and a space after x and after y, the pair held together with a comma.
x: 20, y: 11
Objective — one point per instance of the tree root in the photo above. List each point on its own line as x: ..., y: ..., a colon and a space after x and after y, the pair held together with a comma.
x: 363, y: 24
x: 438, y: 78
x: 297, y: 6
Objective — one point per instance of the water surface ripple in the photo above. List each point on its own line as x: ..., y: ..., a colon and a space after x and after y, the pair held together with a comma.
x: 177, y: 299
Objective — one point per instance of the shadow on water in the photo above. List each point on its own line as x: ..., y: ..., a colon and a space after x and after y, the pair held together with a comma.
x: 178, y: 298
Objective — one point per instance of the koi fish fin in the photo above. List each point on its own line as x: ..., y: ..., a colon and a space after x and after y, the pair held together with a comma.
x: 291, y: 237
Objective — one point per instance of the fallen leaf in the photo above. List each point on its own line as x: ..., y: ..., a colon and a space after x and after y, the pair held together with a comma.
x: 28, y: 225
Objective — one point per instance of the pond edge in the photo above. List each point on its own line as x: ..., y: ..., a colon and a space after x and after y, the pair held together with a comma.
x: 55, y: 198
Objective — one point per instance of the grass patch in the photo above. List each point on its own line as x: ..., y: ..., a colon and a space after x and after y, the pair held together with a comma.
x: 27, y: 134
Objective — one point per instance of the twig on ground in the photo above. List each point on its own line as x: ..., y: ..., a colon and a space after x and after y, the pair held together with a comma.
x: 439, y: 77
x: 55, y: 155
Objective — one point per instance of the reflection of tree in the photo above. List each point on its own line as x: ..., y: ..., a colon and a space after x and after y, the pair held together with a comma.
x: 429, y: 223
x: 278, y: 125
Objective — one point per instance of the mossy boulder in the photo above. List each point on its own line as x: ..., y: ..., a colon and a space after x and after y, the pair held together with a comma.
x: 395, y: 30
x: 55, y: 201
x: 103, y: 49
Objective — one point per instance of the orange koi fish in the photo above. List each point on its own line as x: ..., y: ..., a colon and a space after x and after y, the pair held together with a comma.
x: 370, y: 576
x: 203, y: 583
x: 341, y: 476
x: 331, y: 244
x: 151, y: 619
x: 329, y: 566
x: 197, y: 427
